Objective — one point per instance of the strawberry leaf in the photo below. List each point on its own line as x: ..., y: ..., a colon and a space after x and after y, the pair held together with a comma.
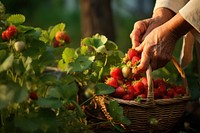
x: 103, y: 89
x: 116, y: 111
x: 56, y: 28
x: 96, y: 41
x: 16, y: 19
x: 80, y: 64
x: 7, y: 63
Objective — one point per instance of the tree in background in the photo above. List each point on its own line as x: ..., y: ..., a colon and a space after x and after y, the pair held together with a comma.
x: 96, y: 17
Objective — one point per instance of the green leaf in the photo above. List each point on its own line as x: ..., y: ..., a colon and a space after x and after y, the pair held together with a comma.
x: 96, y: 41
x: 69, y: 91
x: 16, y: 19
x: 110, y: 45
x: 116, y: 111
x: 103, y: 89
x: 11, y: 93
x: 44, y: 36
x: 3, y: 55
x: 56, y: 28
x: 68, y: 55
x: 7, y: 63
x: 43, y: 119
x: 80, y: 64
x: 49, y: 103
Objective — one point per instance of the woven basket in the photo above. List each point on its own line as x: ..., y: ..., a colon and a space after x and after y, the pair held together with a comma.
x: 166, y: 111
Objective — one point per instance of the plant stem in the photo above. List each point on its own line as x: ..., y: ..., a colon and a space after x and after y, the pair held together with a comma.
x: 87, y: 100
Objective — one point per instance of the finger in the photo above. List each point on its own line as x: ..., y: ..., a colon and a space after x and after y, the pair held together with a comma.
x: 144, y: 62
x: 140, y: 47
x: 138, y: 31
x: 135, y: 38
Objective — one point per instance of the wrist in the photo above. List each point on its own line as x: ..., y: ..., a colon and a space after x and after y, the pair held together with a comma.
x: 178, y: 25
x: 163, y: 13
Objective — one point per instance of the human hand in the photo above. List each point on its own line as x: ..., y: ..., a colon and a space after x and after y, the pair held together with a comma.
x: 143, y: 27
x: 157, y: 48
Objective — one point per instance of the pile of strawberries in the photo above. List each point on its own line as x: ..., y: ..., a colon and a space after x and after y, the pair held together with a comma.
x: 129, y: 86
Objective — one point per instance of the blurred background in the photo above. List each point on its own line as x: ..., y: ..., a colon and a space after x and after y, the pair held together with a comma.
x: 121, y: 16
x: 84, y: 18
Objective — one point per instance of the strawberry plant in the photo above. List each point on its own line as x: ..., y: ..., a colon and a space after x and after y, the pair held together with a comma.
x: 34, y: 98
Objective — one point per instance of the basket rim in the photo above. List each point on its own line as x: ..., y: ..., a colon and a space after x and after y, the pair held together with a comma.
x: 156, y: 101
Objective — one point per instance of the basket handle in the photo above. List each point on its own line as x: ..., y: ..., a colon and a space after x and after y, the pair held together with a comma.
x: 150, y: 93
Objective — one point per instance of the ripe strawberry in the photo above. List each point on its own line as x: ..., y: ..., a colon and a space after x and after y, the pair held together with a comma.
x: 130, y: 89
x: 135, y: 60
x: 143, y: 95
x: 12, y: 30
x: 116, y: 72
x: 128, y: 97
x: 33, y: 95
x: 3, y: 35
x: 162, y: 90
x: 180, y: 90
x: 144, y: 81
x: 158, y: 82
x: 136, y: 77
x: 120, y: 91
x: 138, y: 87
x: 62, y: 36
x: 131, y: 52
x: 112, y: 82
x: 56, y: 44
x: 156, y: 93
x: 171, y: 92
x: 126, y: 71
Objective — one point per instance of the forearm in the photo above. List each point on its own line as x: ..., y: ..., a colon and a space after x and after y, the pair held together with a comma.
x: 178, y: 25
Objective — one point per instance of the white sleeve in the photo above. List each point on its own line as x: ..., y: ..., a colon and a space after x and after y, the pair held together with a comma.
x: 174, y: 5
x: 191, y: 13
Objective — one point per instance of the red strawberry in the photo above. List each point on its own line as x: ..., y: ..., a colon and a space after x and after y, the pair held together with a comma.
x: 158, y: 82
x: 180, y: 90
x: 12, y: 30
x: 138, y: 87
x: 33, y: 95
x: 143, y: 95
x: 130, y: 89
x: 112, y: 82
x: 135, y: 60
x: 171, y: 92
x: 120, y: 91
x: 156, y: 93
x: 144, y: 81
x: 162, y: 90
x: 136, y: 77
x: 131, y: 52
x: 128, y: 97
x: 3, y: 35
x: 116, y: 72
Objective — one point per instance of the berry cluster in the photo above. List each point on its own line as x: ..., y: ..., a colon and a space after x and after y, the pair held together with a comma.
x: 129, y: 86
x: 9, y: 32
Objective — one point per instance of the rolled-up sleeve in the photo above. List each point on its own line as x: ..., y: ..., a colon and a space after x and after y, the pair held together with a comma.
x: 174, y: 5
x: 191, y: 13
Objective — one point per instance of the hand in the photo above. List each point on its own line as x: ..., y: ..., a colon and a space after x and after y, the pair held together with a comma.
x: 157, y: 49
x: 144, y: 27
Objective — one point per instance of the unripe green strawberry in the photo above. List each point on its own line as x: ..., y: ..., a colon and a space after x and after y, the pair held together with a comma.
x: 19, y: 46
x: 126, y: 71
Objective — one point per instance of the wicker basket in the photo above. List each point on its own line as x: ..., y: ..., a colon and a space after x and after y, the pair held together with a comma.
x: 166, y: 111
